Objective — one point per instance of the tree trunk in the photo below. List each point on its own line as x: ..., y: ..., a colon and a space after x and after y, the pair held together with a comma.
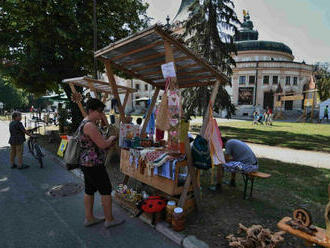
x: 75, y: 111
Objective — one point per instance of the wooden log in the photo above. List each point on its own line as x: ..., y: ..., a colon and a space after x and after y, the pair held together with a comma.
x: 113, y: 84
x: 150, y: 109
x: 82, y: 110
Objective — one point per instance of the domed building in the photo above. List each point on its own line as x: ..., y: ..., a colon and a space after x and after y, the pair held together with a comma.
x: 262, y: 68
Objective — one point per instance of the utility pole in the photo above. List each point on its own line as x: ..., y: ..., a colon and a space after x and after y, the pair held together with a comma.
x: 94, y: 38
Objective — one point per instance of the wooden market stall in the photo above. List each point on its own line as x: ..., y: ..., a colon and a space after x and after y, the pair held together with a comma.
x: 102, y: 88
x: 141, y: 56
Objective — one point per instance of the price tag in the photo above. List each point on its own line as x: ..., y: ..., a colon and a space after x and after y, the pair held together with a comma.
x: 168, y: 70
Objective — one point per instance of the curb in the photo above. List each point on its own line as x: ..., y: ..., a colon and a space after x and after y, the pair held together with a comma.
x: 185, y: 241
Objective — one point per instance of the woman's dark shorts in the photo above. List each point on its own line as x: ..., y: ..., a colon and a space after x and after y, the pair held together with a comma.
x: 96, y: 179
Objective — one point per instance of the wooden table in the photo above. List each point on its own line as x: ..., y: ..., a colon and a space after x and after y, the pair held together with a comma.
x: 319, y: 238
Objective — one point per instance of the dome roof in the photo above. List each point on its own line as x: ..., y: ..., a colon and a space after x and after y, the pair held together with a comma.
x: 262, y: 45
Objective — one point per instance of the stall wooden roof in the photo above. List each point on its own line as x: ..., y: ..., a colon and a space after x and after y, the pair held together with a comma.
x: 142, y: 54
x: 98, y: 85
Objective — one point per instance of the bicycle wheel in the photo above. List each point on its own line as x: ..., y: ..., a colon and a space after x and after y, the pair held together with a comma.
x: 30, y: 146
x: 39, y: 155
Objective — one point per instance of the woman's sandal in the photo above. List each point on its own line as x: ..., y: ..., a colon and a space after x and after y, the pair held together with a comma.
x: 93, y: 222
x: 114, y: 222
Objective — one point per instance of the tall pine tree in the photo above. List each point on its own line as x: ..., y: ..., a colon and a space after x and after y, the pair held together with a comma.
x: 209, y: 32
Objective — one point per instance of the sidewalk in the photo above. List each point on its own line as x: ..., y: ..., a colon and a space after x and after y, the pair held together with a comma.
x: 31, y: 218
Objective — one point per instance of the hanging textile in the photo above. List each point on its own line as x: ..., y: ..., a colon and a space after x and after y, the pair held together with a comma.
x: 162, y: 118
x: 151, y: 124
x: 213, y: 136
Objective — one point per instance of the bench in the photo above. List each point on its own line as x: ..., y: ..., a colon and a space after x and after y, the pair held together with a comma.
x: 250, y: 177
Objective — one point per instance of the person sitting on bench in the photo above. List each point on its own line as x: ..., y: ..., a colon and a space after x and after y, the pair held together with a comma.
x: 239, y: 158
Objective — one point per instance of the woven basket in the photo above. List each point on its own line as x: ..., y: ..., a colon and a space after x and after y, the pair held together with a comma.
x: 130, y: 206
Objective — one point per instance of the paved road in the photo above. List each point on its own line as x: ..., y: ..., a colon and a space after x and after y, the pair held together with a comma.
x: 31, y: 218
x: 287, y: 155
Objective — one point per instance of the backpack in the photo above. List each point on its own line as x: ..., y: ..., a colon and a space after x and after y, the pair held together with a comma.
x: 201, y: 154
x: 73, y: 151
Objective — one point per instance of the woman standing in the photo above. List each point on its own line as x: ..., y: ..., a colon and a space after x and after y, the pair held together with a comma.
x: 92, y: 159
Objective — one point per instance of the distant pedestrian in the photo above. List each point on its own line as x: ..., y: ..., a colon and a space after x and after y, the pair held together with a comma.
x: 326, y: 113
x: 270, y: 116
x: 16, y: 141
x: 261, y: 118
x: 255, y: 118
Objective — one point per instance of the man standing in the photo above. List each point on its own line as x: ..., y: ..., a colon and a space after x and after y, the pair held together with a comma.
x: 239, y: 158
x: 326, y: 113
x: 16, y: 141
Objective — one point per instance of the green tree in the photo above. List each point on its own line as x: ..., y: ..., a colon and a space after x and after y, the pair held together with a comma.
x: 322, y: 75
x: 11, y: 97
x: 209, y: 32
x: 43, y: 42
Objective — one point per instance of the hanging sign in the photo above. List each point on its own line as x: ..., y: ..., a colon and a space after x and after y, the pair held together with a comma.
x: 168, y: 70
x: 278, y: 104
x: 292, y: 98
x: 62, y: 147
x: 308, y: 102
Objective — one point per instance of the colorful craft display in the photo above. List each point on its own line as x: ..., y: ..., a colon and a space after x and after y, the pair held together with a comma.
x: 127, y: 193
x: 127, y: 133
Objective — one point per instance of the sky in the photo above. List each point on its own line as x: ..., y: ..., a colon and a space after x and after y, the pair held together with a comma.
x: 303, y: 25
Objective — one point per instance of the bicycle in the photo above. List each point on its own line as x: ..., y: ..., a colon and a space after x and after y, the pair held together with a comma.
x: 34, y: 147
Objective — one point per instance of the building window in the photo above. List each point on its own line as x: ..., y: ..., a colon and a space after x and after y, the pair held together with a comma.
x: 146, y: 87
x: 295, y: 81
x: 242, y: 79
x: 245, y: 95
x: 266, y: 80
x: 287, y: 80
x: 137, y: 86
x: 252, y: 79
x: 275, y: 79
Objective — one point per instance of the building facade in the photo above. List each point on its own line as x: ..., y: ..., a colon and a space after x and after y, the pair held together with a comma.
x: 262, y: 69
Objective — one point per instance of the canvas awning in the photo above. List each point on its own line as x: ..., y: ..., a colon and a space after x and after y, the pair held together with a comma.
x: 142, y: 54
x: 98, y: 85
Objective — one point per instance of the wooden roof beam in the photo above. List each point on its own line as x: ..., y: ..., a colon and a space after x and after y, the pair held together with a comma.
x: 157, y: 43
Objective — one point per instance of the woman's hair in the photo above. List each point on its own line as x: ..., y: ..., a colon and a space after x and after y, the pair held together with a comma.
x: 15, y: 115
x: 224, y: 140
x: 139, y: 121
x: 94, y: 104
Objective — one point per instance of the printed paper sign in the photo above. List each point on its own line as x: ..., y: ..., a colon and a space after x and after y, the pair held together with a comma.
x: 168, y: 70
x: 62, y: 148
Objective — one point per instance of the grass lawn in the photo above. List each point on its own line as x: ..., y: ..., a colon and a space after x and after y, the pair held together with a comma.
x: 308, y: 136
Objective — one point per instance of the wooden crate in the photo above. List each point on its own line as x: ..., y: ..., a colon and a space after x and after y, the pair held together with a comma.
x: 163, y: 184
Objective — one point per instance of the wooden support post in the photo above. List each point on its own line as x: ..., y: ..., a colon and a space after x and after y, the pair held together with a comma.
x: 125, y: 100
x: 82, y: 110
x: 113, y: 84
x: 150, y: 109
x: 313, y: 105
